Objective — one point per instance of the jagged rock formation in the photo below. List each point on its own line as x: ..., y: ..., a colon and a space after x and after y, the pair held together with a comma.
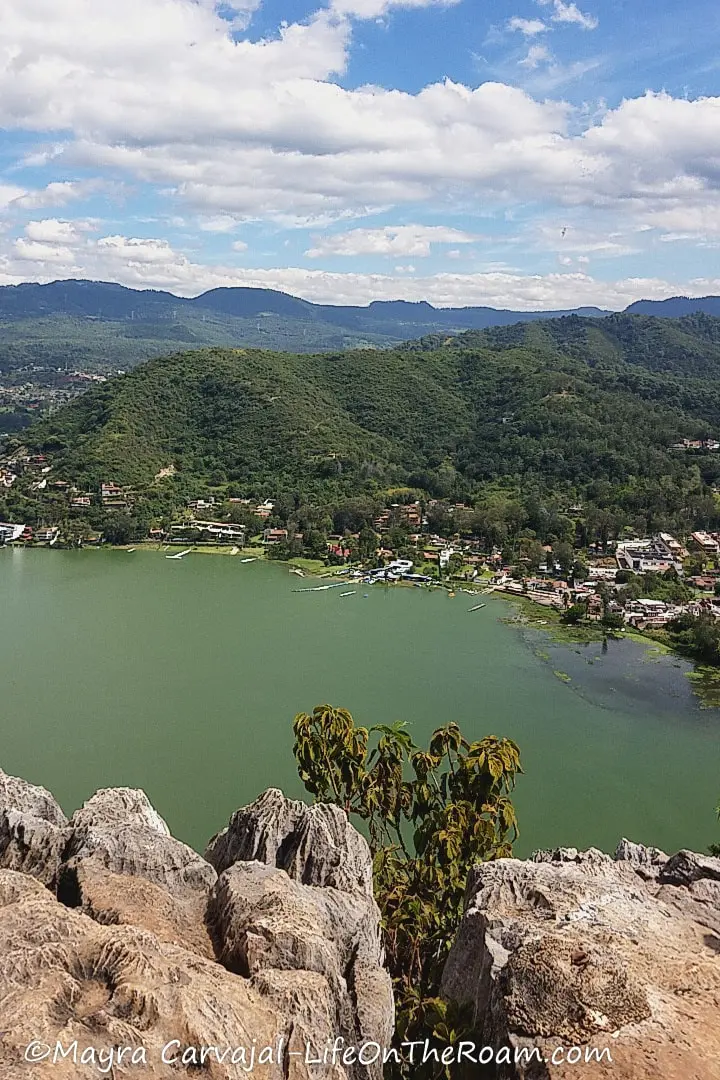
x: 584, y: 949
x: 313, y: 844
x: 114, y: 934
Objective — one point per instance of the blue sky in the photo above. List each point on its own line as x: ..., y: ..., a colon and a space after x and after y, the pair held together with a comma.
x: 530, y: 154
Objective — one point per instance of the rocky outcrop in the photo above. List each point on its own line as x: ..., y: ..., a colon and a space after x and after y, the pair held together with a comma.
x: 119, y: 828
x: 69, y: 980
x: 582, y: 949
x: 32, y: 828
x: 137, y: 944
x: 261, y: 920
x: 316, y: 845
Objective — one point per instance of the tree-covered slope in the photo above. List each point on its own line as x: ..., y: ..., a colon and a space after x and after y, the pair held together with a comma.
x: 566, y: 403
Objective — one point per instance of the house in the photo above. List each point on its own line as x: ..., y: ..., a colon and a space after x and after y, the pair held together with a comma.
x: 211, y: 532
x: 9, y: 533
x: 707, y: 542
x: 198, y: 505
x: 275, y: 536
x: 46, y: 536
x: 702, y: 582
x: 81, y: 501
x: 646, y: 613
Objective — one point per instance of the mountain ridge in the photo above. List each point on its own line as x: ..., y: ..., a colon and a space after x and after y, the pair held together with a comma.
x: 576, y: 409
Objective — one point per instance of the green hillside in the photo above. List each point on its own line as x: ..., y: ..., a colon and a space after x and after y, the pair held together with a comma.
x: 585, y: 408
x: 106, y: 345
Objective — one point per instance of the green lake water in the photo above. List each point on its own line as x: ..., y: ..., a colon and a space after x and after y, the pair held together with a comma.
x: 183, y: 677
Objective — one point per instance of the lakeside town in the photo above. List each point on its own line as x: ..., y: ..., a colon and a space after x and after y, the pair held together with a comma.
x: 643, y: 583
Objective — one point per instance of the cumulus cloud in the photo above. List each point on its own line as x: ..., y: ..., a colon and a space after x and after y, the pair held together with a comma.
x: 32, y: 251
x: 258, y: 130
x: 153, y: 263
x: 228, y: 130
x: 10, y: 194
x: 528, y: 27
x: 52, y: 231
x: 415, y: 240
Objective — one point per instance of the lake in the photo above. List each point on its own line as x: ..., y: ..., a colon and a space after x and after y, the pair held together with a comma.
x: 183, y: 678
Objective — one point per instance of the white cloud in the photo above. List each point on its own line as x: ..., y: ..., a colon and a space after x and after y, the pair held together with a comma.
x: 570, y: 13
x: 536, y: 55
x: 132, y: 252
x: 374, y: 9
x: 63, y: 192
x: 415, y: 240
x: 228, y: 131
x: 528, y: 27
x: 218, y: 223
x: 9, y: 194
x: 239, y: 245
x: 155, y: 264
x: 52, y: 231
x: 32, y: 251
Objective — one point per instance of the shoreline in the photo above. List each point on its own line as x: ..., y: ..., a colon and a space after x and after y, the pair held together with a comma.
x: 529, y: 613
x: 705, y: 679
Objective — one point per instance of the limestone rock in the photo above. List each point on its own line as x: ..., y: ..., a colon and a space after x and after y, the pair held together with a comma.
x: 687, y: 867
x: 315, y: 845
x: 326, y: 849
x: 256, y: 832
x: 17, y: 794
x: 119, y: 828
x: 31, y: 829
x: 117, y: 807
x: 31, y: 845
x: 262, y: 920
x: 127, y: 900
x: 646, y: 861
x: 64, y: 977
x: 123, y: 952
x: 579, y: 949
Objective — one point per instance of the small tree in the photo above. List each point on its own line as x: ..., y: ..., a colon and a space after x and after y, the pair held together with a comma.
x: 431, y: 815
x: 574, y: 614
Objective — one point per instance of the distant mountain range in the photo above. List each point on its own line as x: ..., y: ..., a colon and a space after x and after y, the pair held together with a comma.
x: 104, y: 326
x: 104, y: 300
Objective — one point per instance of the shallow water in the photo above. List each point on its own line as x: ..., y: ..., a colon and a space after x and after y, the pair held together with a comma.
x: 183, y: 677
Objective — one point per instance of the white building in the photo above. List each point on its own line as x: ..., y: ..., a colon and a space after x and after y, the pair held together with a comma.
x: 9, y: 532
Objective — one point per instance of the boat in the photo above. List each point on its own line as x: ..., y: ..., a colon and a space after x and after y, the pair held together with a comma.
x: 127, y: 549
x: 253, y: 559
x: 297, y: 571
x: 477, y: 607
x: 180, y: 554
x: 348, y: 593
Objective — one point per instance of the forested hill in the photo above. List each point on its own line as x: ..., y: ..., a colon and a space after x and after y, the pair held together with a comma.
x: 566, y: 405
x: 688, y: 346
